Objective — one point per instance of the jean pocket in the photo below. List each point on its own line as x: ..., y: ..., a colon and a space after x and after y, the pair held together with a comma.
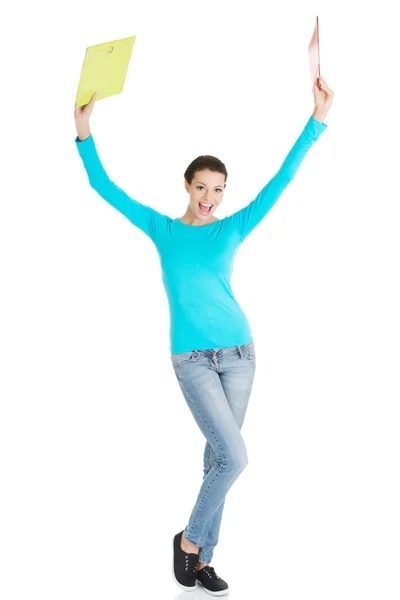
x: 183, y: 357
x: 250, y: 351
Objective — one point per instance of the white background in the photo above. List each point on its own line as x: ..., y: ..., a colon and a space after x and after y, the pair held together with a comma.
x: 101, y: 459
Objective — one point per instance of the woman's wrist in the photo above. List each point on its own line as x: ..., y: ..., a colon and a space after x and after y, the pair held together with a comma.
x: 319, y: 113
x: 83, y: 132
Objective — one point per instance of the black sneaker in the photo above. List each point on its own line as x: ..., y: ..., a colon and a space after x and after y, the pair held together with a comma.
x: 210, y: 581
x: 184, y: 565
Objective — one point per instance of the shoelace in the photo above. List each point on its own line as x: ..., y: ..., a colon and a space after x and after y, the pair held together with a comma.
x: 191, y: 563
x: 210, y: 572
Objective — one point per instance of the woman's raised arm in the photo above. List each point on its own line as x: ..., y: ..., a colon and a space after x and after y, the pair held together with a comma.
x: 246, y: 219
x: 144, y: 217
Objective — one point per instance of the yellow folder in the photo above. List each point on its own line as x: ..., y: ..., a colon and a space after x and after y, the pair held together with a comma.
x: 104, y: 70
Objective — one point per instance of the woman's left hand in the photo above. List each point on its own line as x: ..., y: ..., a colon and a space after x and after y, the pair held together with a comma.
x: 323, y: 97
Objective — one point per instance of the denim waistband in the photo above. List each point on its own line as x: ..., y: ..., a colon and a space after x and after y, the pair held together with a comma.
x: 218, y: 351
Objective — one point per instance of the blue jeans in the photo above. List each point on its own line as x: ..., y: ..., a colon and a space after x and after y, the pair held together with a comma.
x: 216, y: 384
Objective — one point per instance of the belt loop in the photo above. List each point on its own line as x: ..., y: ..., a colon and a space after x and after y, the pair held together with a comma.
x: 240, y: 351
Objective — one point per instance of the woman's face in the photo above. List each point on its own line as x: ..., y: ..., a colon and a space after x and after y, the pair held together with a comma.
x: 207, y: 187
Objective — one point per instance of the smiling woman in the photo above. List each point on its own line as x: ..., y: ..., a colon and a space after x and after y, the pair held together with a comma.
x: 211, y: 343
x: 205, y: 182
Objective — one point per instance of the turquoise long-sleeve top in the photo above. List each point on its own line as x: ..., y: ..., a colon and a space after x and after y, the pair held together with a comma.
x: 197, y: 261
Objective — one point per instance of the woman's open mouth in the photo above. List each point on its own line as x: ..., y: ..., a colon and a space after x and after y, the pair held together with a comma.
x: 204, y: 208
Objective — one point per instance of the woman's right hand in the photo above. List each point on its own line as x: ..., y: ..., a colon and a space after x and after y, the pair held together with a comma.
x: 82, y: 113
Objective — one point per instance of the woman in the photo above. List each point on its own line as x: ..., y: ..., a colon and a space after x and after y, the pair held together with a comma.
x: 212, y: 348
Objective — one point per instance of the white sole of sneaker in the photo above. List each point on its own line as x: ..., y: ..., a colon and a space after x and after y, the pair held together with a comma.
x: 221, y: 593
x: 187, y: 588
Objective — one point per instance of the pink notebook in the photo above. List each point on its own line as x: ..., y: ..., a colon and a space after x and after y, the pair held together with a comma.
x: 313, y: 55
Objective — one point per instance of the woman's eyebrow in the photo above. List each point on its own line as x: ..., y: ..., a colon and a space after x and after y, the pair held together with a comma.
x: 214, y: 185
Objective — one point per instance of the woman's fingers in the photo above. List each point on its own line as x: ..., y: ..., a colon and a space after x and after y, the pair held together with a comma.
x: 325, y: 87
x: 323, y: 84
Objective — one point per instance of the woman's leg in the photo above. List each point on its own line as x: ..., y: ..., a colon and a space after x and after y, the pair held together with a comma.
x: 203, y: 377
x: 237, y: 383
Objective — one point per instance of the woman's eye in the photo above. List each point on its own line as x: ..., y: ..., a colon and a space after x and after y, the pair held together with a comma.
x: 199, y: 187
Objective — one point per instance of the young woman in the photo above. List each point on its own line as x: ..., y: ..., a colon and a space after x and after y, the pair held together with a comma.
x: 212, y: 347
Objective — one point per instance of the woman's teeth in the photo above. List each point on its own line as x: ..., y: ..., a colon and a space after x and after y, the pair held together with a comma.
x: 205, y: 207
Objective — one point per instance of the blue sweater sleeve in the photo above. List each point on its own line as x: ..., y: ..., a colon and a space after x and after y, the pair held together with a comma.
x: 246, y: 219
x: 144, y: 217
